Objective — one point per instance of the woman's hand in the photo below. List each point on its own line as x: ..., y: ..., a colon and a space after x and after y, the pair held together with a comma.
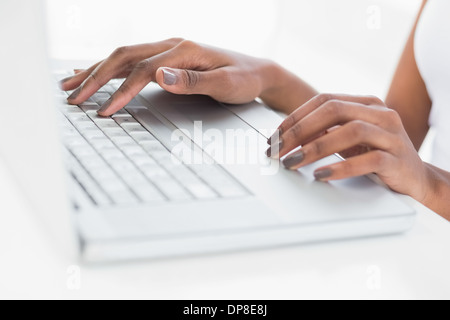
x: 178, y: 66
x: 330, y: 124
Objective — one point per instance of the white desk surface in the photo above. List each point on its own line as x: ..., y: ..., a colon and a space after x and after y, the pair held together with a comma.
x: 415, y: 265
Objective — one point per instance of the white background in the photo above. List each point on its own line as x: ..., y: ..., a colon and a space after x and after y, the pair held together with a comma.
x: 349, y: 46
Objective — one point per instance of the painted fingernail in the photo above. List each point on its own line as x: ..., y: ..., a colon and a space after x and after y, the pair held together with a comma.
x: 105, y: 106
x: 275, y: 137
x: 323, y: 174
x: 274, y: 149
x: 294, y: 160
x: 74, y: 94
x: 170, y: 78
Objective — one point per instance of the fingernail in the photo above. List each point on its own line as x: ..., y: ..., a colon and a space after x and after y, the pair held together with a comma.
x: 105, y: 106
x: 74, y: 94
x: 274, y: 149
x: 275, y: 137
x: 322, y: 174
x: 170, y: 78
x: 294, y: 160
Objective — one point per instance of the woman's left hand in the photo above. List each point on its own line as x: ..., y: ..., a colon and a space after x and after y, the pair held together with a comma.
x: 330, y: 124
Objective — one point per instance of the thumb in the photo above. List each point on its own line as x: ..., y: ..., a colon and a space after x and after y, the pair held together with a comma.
x: 183, y: 81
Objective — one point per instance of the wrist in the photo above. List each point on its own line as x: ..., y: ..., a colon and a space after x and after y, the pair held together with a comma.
x: 282, y: 90
x: 272, y: 78
x: 437, y: 190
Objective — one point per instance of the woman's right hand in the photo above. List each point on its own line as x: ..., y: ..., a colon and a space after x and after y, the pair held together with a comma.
x: 178, y: 66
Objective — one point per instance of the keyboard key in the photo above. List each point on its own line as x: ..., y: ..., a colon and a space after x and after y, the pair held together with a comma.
x: 102, y: 144
x: 82, y: 151
x: 89, y: 105
x: 92, y: 162
x: 134, y: 128
x: 72, y: 110
x: 124, y: 197
x: 153, y: 147
x: 133, y: 176
x: 125, y: 120
x: 78, y: 117
x: 116, y: 132
x: 121, y: 166
x: 112, y: 155
x: 104, y: 175
x: 172, y: 189
x: 133, y: 151
x: 114, y: 186
x: 142, y: 160
x: 106, y: 89
x: 107, y: 124
x: 85, y: 126
x: 142, y: 137
x: 93, y: 134
x: 87, y: 183
x: 148, y: 193
x: 101, y: 97
x: 123, y: 141
x: 121, y: 113
x: 153, y: 171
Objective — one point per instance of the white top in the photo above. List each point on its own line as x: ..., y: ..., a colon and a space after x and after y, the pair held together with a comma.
x: 432, y: 50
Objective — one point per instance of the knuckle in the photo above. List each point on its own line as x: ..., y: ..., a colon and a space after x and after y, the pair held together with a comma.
x: 143, y: 65
x: 375, y: 100
x: 334, y: 108
x: 324, y: 97
x: 289, y: 122
x: 188, y: 45
x: 121, y: 51
x: 344, y: 168
x: 124, y: 89
x: 317, y: 148
x: 175, y: 41
x: 379, y: 159
x: 94, y: 78
x: 358, y: 128
x: 295, y: 131
x: 393, y: 117
x: 191, y: 78
x: 144, y: 68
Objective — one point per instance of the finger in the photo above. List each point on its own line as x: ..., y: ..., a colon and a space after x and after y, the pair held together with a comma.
x: 120, y: 62
x: 372, y: 162
x: 328, y: 115
x: 349, y: 135
x: 96, y: 79
x: 184, y: 81
x: 77, y: 79
x: 315, y: 103
x: 180, y: 65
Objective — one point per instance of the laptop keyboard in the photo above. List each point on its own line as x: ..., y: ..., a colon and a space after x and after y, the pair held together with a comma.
x: 117, y: 161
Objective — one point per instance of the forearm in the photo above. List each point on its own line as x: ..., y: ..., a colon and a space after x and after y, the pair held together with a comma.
x: 283, y: 90
x: 438, y: 197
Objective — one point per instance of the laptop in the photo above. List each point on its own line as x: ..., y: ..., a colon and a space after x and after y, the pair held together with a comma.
x: 167, y: 176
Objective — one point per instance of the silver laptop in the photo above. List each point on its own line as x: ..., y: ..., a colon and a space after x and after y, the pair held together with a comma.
x: 168, y: 175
